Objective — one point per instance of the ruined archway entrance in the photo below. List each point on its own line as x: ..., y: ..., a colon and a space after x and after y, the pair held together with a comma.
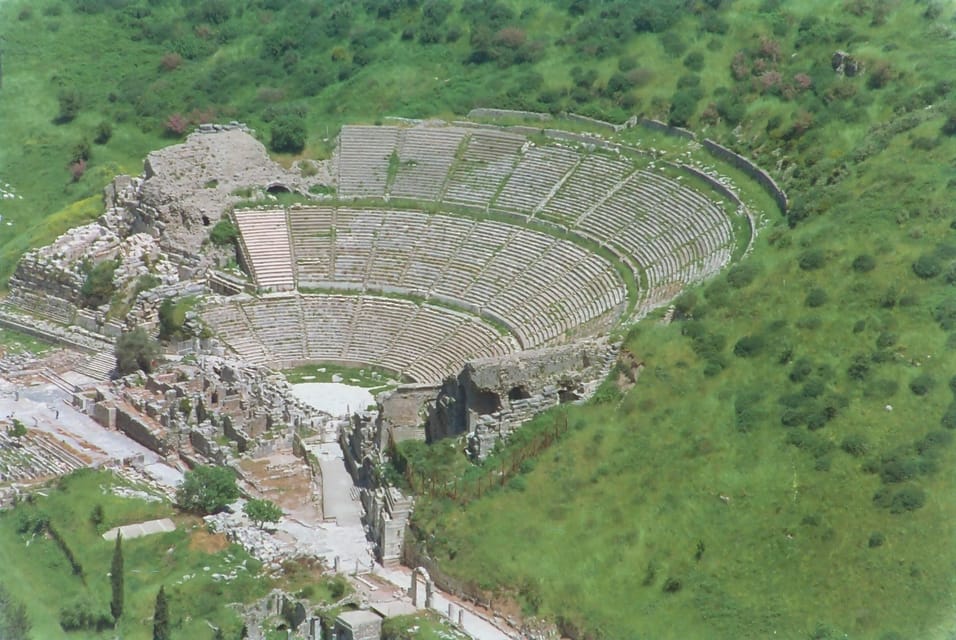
x: 421, y: 572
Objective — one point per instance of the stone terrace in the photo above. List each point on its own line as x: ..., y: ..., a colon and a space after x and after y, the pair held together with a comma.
x: 524, y: 275
x: 672, y: 234
x: 544, y: 288
x: 422, y: 342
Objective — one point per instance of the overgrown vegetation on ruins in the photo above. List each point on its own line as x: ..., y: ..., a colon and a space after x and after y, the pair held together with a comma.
x: 781, y: 467
x: 39, y: 567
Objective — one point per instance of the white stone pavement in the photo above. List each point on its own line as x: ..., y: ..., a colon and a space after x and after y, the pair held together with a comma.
x: 164, y: 525
x: 47, y: 408
x: 473, y: 623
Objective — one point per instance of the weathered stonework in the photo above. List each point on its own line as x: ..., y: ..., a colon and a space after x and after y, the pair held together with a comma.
x: 494, y: 396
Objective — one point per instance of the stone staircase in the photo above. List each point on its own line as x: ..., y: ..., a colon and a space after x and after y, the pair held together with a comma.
x: 98, y: 366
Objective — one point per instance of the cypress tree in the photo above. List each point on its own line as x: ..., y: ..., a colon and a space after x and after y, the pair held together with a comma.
x: 116, y: 578
x: 161, y: 617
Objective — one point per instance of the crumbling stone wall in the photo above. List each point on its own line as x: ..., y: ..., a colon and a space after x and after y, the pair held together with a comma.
x: 404, y: 410
x: 189, y: 408
x: 494, y: 396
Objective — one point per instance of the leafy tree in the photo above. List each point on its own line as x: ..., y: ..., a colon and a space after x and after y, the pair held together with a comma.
x: 97, y: 516
x: 103, y: 133
x: 18, y: 430
x: 288, y: 135
x: 98, y: 287
x: 161, y: 616
x: 135, y: 350
x: 262, y: 511
x: 207, y: 489
x: 170, y: 322
x: 223, y: 233
x: 116, y: 578
x: 69, y: 101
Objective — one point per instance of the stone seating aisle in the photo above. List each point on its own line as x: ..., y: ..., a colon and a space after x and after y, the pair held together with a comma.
x: 591, y: 181
x: 473, y: 262
x: 267, y: 249
x: 34, y: 458
x: 231, y: 324
x: 312, y: 244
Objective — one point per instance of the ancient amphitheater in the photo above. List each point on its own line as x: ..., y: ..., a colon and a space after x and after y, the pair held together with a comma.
x: 487, y: 270
x: 444, y: 244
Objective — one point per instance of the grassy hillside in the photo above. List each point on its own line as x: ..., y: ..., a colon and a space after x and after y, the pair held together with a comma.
x: 812, y: 386
x: 189, y: 562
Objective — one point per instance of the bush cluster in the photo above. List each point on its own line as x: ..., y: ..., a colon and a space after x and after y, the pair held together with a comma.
x: 906, y: 499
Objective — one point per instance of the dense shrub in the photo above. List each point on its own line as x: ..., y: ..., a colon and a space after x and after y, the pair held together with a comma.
x: 817, y: 297
x: 684, y: 305
x: 886, y: 339
x: 927, y: 266
x: 859, y: 367
x: 933, y: 442
x: 103, y: 133
x: 801, y: 369
x: 906, y: 499
x: 288, y: 135
x: 945, y: 313
x: 949, y: 418
x: 922, y: 384
x: 672, y: 585
x: 741, y: 275
x: 98, y: 287
x: 864, y: 263
x: 811, y: 259
x: 223, y: 233
x: 856, y: 445
x: 69, y: 102
x: 899, y: 469
x: 83, y: 615
x: 136, y: 350
x: 749, y: 346
x: 876, y: 540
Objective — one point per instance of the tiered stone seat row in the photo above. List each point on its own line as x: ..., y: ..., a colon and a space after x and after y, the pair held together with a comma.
x: 265, y: 244
x: 593, y: 179
x: 50, y: 307
x: 538, y: 172
x: 364, y: 154
x: 486, y: 162
x: 33, y: 458
x: 424, y: 158
x: 423, y: 342
x: 481, y: 263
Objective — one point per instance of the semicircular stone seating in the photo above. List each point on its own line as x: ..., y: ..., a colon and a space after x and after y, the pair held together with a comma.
x: 502, y: 259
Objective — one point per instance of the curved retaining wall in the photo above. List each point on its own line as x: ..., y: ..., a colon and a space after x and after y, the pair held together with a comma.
x: 756, y: 173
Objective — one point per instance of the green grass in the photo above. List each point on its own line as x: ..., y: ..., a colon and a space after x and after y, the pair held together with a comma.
x: 421, y: 626
x: 636, y: 486
x: 17, y: 342
x: 325, y: 372
x: 36, y: 570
